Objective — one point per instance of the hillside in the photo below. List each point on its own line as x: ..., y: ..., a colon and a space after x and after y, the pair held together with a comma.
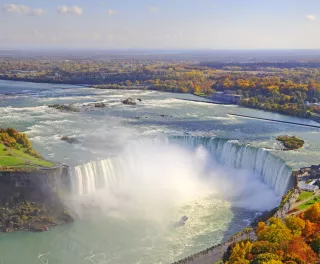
x: 16, y: 152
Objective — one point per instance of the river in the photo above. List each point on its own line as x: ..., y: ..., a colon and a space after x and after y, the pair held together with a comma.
x: 138, y: 169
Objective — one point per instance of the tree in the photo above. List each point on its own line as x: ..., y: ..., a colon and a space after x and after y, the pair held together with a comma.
x: 301, y: 250
x: 276, y: 232
x: 240, y: 252
x: 266, y: 258
x: 309, y: 229
x: 313, y: 213
x: 295, y: 224
x: 316, y: 244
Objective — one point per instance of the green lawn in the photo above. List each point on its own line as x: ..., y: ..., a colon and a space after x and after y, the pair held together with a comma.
x: 304, y: 195
x: 309, y: 203
x: 18, y: 159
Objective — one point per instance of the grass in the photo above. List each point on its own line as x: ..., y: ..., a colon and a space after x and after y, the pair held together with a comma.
x: 18, y: 159
x: 304, y: 195
x: 201, y: 94
x: 309, y: 203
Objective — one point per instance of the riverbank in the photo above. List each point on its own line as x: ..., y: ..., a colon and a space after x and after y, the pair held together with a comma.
x: 144, y: 88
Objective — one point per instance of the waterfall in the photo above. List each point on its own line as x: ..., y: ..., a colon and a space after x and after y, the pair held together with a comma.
x: 89, y: 177
x: 273, y: 170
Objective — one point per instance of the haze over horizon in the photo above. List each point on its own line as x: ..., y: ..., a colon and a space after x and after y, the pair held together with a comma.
x: 155, y: 24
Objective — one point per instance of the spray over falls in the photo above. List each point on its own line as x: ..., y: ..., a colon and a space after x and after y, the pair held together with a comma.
x: 158, y: 171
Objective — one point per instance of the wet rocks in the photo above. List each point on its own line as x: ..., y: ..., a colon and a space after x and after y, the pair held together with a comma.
x: 129, y: 101
x: 100, y: 105
x: 70, y: 140
x: 64, y: 108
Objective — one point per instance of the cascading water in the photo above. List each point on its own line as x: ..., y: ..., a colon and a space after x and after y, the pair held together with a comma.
x: 88, y: 178
x: 274, y: 171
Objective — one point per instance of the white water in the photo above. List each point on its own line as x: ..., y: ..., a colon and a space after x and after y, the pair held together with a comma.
x: 157, y: 172
x: 273, y: 170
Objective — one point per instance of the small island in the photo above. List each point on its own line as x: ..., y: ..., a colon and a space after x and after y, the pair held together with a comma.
x: 29, y: 194
x: 291, y: 142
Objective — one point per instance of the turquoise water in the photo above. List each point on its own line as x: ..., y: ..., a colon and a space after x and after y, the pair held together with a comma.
x: 122, y: 237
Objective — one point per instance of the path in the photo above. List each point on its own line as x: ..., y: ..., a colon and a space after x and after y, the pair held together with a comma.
x: 215, y: 254
x: 294, y: 205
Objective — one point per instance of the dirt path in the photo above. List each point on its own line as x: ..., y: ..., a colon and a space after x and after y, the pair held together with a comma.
x: 294, y: 205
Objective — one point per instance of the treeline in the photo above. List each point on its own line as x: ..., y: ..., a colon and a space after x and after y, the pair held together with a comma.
x: 13, y: 139
x: 297, y: 240
x: 254, y: 66
x: 285, y: 95
x: 267, y: 86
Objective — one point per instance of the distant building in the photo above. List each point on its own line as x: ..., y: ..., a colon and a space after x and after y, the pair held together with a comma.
x: 307, y: 187
x: 227, y: 97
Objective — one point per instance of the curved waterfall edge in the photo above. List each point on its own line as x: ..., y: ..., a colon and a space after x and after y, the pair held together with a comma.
x: 273, y: 170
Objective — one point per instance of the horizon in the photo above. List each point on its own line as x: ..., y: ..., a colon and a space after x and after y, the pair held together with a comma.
x: 160, y: 25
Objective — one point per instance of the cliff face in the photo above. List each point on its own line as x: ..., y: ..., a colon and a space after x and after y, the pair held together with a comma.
x: 34, y: 185
x: 31, y: 200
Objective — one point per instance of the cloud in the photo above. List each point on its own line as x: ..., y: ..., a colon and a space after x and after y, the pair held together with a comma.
x: 37, y: 12
x: 22, y: 9
x: 311, y: 17
x: 154, y: 9
x: 111, y: 12
x: 70, y: 10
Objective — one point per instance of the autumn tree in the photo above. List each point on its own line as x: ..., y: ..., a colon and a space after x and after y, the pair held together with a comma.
x: 275, y: 232
x: 313, y: 213
x: 295, y: 224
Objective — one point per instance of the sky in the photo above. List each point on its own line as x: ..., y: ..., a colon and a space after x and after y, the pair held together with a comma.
x: 160, y: 24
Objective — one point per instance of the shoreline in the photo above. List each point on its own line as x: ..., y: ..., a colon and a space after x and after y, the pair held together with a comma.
x: 155, y: 90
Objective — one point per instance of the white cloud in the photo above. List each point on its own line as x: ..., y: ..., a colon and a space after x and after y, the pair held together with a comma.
x: 70, y: 10
x: 111, y: 12
x: 154, y: 9
x: 311, y: 17
x: 37, y: 12
x: 22, y: 9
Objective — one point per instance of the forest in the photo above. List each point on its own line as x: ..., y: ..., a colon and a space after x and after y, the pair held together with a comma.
x: 291, y: 88
x: 294, y: 241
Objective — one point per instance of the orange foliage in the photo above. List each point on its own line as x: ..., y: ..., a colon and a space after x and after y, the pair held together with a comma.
x: 301, y: 250
x: 297, y: 241
x: 313, y: 213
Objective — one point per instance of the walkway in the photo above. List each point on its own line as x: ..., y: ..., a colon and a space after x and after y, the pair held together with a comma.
x: 215, y: 254
x: 295, y: 205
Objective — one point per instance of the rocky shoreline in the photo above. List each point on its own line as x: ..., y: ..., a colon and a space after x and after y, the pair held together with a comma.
x: 32, y: 216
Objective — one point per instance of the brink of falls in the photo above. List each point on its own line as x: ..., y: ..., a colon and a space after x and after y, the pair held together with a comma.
x: 108, y: 174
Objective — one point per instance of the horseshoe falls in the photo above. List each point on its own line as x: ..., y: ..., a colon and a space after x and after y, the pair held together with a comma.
x: 109, y: 174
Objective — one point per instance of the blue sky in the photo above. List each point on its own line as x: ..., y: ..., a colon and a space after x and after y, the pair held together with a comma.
x: 165, y: 24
